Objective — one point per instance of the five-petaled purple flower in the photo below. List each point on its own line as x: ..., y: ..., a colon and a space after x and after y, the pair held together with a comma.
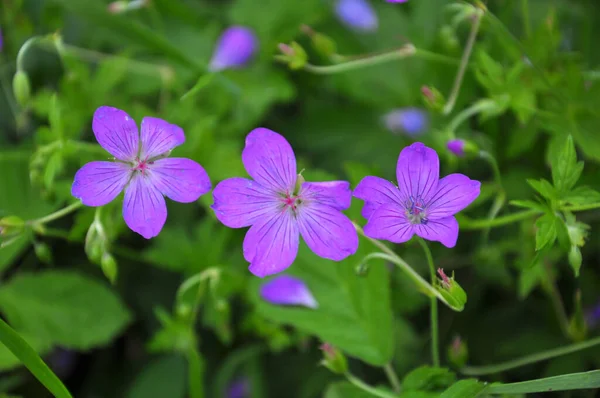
x: 358, y: 14
x: 287, y: 290
x: 279, y: 206
x: 235, y: 48
x: 141, y: 168
x: 422, y: 204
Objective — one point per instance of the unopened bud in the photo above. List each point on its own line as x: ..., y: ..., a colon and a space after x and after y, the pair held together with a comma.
x: 322, y: 44
x: 460, y: 147
x: 362, y: 269
x: 458, y: 353
x: 334, y: 359
x: 117, y: 7
x: 21, y: 88
x: 43, y: 252
x: 293, y: 55
x: 575, y: 259
x: 451, y: 291
x: 11, y: 225
x: 109, y: 267
x: 433, y: 99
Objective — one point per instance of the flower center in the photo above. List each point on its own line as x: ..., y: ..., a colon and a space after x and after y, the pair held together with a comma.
x: 416, y: 211
x: 141, y: 165
x: 291, y: 202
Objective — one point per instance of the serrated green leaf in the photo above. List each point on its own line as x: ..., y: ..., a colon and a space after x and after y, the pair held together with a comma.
x: 547, y: 231
x: 573, y: 381
x: 544, y: 188
x: 469, y: 388
x: 64, y: 307
x: 529, y: 204
x: 581, y: 196
x: 428, y: 378
x: 566, y: 170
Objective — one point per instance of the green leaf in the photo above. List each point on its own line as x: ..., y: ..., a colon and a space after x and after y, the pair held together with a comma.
x: 27, y: 355
x: 163, y: 377
x: 345, y: 389
x: 428, y: 378
x: 468, y: 388
x: 530, y: 204
x: 543, y: 187
x: 581, y: 196
x: 84, y: 312
x: 565, y: 168
x: 547, y: 230
x: 354, y: 312
x: 195, y: 373
x: 573, y: 381
x: 529, y: 279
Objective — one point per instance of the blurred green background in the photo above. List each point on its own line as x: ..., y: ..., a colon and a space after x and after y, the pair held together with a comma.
x: 535, y: 60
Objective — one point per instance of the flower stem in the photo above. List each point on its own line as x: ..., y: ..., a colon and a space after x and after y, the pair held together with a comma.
x: 367, y: 388
x: 467, y: 113
x: 463, y: 62
x: 557, y: 302
x: 435, y: 355
x: 590, y: 206
x: 526, y: 23
x: 392, y: 377
x: 528, y: 359
x: 497, y: 222
x: 57, y: 214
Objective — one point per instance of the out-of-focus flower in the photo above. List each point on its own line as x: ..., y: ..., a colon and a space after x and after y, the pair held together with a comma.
x: 121, y: 6
x: 412, y: 121
x: 280, y: 206
x: 457, y: 147
x: 235, y: 48
x: 334, y: 359
x: 1, y: 41
x: 422, y: 204
x: 288, y: 290
x: 396, y: 1
x: 239, y: 388
x: 357, y: 14
x: 141, y: 169
x: 592, y: 316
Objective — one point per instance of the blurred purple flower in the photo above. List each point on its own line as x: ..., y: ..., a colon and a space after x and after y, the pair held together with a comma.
x: 396, y: 1
x: 141, y: 169
x: 413, y: 121
x: 592, y: 316
x: 287, y: 290
x: 239, y: 388
x: 357, y: 14
x: 279, y: 206
x: 423, y: 204
x: 1, y: 41
x: 457, y: 147
x: 235, y: 48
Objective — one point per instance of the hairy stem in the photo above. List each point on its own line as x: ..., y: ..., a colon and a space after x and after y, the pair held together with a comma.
x: 435, y: 355
x: 392, y: 377
x: 367, y: 388
x: 557, y: 302
x: 57, y: 214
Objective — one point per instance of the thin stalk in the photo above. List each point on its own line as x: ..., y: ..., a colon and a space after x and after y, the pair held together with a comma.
x: 525, y: 12
x: 435, y: 355
x: 392, y: 377
x: 57, y: 214
x: 467, y: 113
x: 557, y: 302
x: 367, y: 388
x: 497, y: 222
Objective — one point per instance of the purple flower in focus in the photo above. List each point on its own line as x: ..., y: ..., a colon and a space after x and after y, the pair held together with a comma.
x: 239, y: 388
x: 287, y: 290
x: 141, y: 168
x: 279, y: 206
x: 235, y: 48
x: 413, y: 121
x: 457, y: 147
x: 357, y: 14
x: 422, y: 204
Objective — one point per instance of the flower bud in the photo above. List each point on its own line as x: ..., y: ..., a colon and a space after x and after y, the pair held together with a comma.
x: 21, y: 87
x: 449, y: 39
x: 11, y: 225
x: 458, y: 352
x: 451, y: 291
x: 109, y: 267
x: 235, y: 48
x: 334, y: 359
x: 293, y: 55
x: 43, y: 252
x: 412, y: 121
x: 575, y: 259
x: 434, y: 100
x: 322, y: 44
x: 362, y: 269
x: 461, y: 147
x: 357, y: 14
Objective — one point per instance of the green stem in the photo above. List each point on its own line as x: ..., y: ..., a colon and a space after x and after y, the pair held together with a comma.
x: 25, y: 47
x: 435, y: 355
x: 367, y: 388
x: 526, y: 23
x: 463, y: 62
x: 488, y: 157
x: 57, y: 214
x: 590, y: 206
x: 469, y: 224
x: 529, y: 359
x: 557, y: 302
x: 467, y: 113
x: 392, y: 377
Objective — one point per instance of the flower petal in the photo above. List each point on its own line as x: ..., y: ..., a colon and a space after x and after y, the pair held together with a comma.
x: 327, y: 231
x: 159, y: 137
x: 454, y: 193
x: 389, y: 222
x: 144, y: 207
x: 288, y: 290
x: 376, y: 191
x: 234, y: 49
x: 357, y: 14
x: 443, y: 230
x: 418, y: 171
x: 271, y: 244
x: 98, y: 183
x: 336, y: 194
x: 180, y: 179
x: 240, y: 202
x: 116, y: 132
x: 270, y: 160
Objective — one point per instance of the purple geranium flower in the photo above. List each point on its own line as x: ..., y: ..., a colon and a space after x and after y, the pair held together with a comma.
x: 288, y: 290
x: 422, y: 204
x: 239, y: 388
x: 235, y: 48
x: 357, y: 14
x: 141, y: 168
x: 413, y: 121
x: 457, y: 147
x: 279, y: 206
x: 1, y: 41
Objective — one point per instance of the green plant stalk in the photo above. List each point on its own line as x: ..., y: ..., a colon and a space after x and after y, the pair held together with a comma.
x: 435, y: 355
x: 57, y: 214
x: 529, y: 359
x: 367, y: 388
x: 525, y: 12
x: 465, y: 114
x: 557, y: 302
x: 463, y: 63
x: 392, y: 377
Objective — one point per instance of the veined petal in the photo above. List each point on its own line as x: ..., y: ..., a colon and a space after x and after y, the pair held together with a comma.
x: 375, y: 192
x: 327, y: 231
x: 98, y: 183
x: 271, y: 244
x: 287, y: 290
x: 240, y: 202
x: 180, y: 179
x: 418, y: 172
x: 270, y: 160
x: 454, y: 193
x: 389, y: 222
x: 159, y: 137
x: 336, y: 194
x: 116, y: 132
x: 144, y: 207
x: 443, y: 230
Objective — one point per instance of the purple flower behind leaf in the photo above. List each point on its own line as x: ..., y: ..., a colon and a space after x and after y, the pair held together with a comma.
x: 239, y: 388
x: 279, y: 206
x: 457, y: 147
x: 235, y: 48
x: 422, y: 204
x: 141, y: 168
x: 592, y: 316
x: 357, y: 14
x: 412, y: 121
x: 287, y: 290
x: 1, y: 41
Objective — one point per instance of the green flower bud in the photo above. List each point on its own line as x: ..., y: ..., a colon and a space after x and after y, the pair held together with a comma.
x: 11, y: 225
x: 109, y: 267
x: 43, y: 252
x: 433, y: 99
x: 451, y: 291
x: 21, y: 87
x: 449, y: 39
x: 334, y: 359
x: 293, y: 55
x: 362, y: 269
x: 458, y: 353
x: 575, y: 259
